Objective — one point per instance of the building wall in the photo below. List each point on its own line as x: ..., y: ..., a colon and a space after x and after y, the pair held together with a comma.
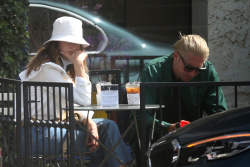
x: 228, y: 37
x: 159, y: 20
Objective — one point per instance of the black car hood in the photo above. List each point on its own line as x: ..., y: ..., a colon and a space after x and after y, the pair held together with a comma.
x: 236, y: 120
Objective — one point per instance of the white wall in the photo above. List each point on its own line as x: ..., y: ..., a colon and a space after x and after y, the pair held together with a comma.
x: 228, y: 37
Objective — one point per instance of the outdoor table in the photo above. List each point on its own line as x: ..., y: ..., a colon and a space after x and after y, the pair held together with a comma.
x: 120, y: 107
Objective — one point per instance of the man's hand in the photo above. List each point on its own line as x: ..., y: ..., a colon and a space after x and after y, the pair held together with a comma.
x: 177, y: 125
x: 172, y: 127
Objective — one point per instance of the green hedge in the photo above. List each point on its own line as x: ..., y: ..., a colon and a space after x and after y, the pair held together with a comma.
x: 14, y: 37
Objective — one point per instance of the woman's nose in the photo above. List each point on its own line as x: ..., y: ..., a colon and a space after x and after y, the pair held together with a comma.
x: 74, y: 46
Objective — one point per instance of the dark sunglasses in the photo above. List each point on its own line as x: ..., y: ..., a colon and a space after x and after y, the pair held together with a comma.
x: 188, y: 68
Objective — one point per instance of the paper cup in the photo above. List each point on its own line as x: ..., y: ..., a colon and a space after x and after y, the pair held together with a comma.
x: 98, y: 99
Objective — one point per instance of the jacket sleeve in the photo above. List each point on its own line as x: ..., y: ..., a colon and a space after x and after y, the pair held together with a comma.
x: 51, y: 72
x: 82, y: 87
x: 211, y: 97
x: 149, y: 75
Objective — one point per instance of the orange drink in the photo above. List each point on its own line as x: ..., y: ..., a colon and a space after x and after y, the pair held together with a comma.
x: 133, y: 93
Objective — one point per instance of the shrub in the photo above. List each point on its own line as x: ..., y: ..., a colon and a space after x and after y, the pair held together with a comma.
x: 14, y: 37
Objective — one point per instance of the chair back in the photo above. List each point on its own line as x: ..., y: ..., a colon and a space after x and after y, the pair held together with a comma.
x: 10, y: 122
x: 44, y: 105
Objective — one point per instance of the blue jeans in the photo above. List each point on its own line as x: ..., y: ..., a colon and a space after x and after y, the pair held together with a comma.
x: 109, y: 134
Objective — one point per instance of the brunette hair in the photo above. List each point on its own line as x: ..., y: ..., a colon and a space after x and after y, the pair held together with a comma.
x: 50, y: 53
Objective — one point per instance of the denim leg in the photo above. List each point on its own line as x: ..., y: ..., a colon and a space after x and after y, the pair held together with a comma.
x: 45, y: 140
x: 80, y: 141
x: 109, y: 134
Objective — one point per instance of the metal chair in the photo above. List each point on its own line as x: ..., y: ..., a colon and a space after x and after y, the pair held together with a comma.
x: 35, y: 96
x: 12, y: 99
x: 10, y: 122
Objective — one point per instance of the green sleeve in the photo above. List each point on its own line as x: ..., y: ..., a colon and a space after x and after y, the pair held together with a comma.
x: 210, y: 100
x: 149, y: 75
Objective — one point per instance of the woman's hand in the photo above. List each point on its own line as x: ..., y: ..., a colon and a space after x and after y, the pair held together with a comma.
x: 91, y: 142
x: 92, y: 128
x: 78, y: 58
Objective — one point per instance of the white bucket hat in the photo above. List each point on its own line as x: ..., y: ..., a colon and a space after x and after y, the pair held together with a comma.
x: 68, y: 29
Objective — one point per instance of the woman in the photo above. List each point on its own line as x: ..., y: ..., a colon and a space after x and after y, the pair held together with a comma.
x: 66, y: 46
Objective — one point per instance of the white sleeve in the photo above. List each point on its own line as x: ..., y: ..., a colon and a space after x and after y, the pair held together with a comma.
x: 51, y: 72
x: 82, y: 87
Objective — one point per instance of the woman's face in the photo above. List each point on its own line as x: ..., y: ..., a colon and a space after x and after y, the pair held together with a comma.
x: 68, y: 47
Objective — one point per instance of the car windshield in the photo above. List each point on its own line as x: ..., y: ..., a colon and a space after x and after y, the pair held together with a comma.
x: 103, y: 36
x: 41, y: 18
x: 111, y: 46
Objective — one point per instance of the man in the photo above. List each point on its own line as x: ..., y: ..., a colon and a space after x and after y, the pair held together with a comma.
x: 188, y: 63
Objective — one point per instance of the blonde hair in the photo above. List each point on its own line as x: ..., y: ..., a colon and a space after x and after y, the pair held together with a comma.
x: 192, y: 43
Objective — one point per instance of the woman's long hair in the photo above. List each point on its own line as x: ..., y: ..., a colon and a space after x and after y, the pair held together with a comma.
x: 50, y: 53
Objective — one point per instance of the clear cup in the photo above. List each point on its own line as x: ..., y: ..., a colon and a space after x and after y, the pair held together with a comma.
x: 98, y: 89
x: 133, y: 93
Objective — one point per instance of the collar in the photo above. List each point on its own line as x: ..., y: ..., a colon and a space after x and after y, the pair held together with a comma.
x: 66, y: 62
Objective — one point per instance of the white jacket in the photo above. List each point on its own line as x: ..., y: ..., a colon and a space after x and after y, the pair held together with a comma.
x: 51, y: 72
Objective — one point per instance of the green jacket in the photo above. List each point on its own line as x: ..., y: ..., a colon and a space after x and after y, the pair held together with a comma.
x: 160, y: 70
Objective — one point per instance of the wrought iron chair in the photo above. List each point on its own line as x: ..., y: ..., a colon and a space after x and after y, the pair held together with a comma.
x: 35, y: 96
x: 10, y: 122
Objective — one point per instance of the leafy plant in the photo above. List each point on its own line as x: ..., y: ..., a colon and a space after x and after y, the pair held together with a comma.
x: 13, y: 37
